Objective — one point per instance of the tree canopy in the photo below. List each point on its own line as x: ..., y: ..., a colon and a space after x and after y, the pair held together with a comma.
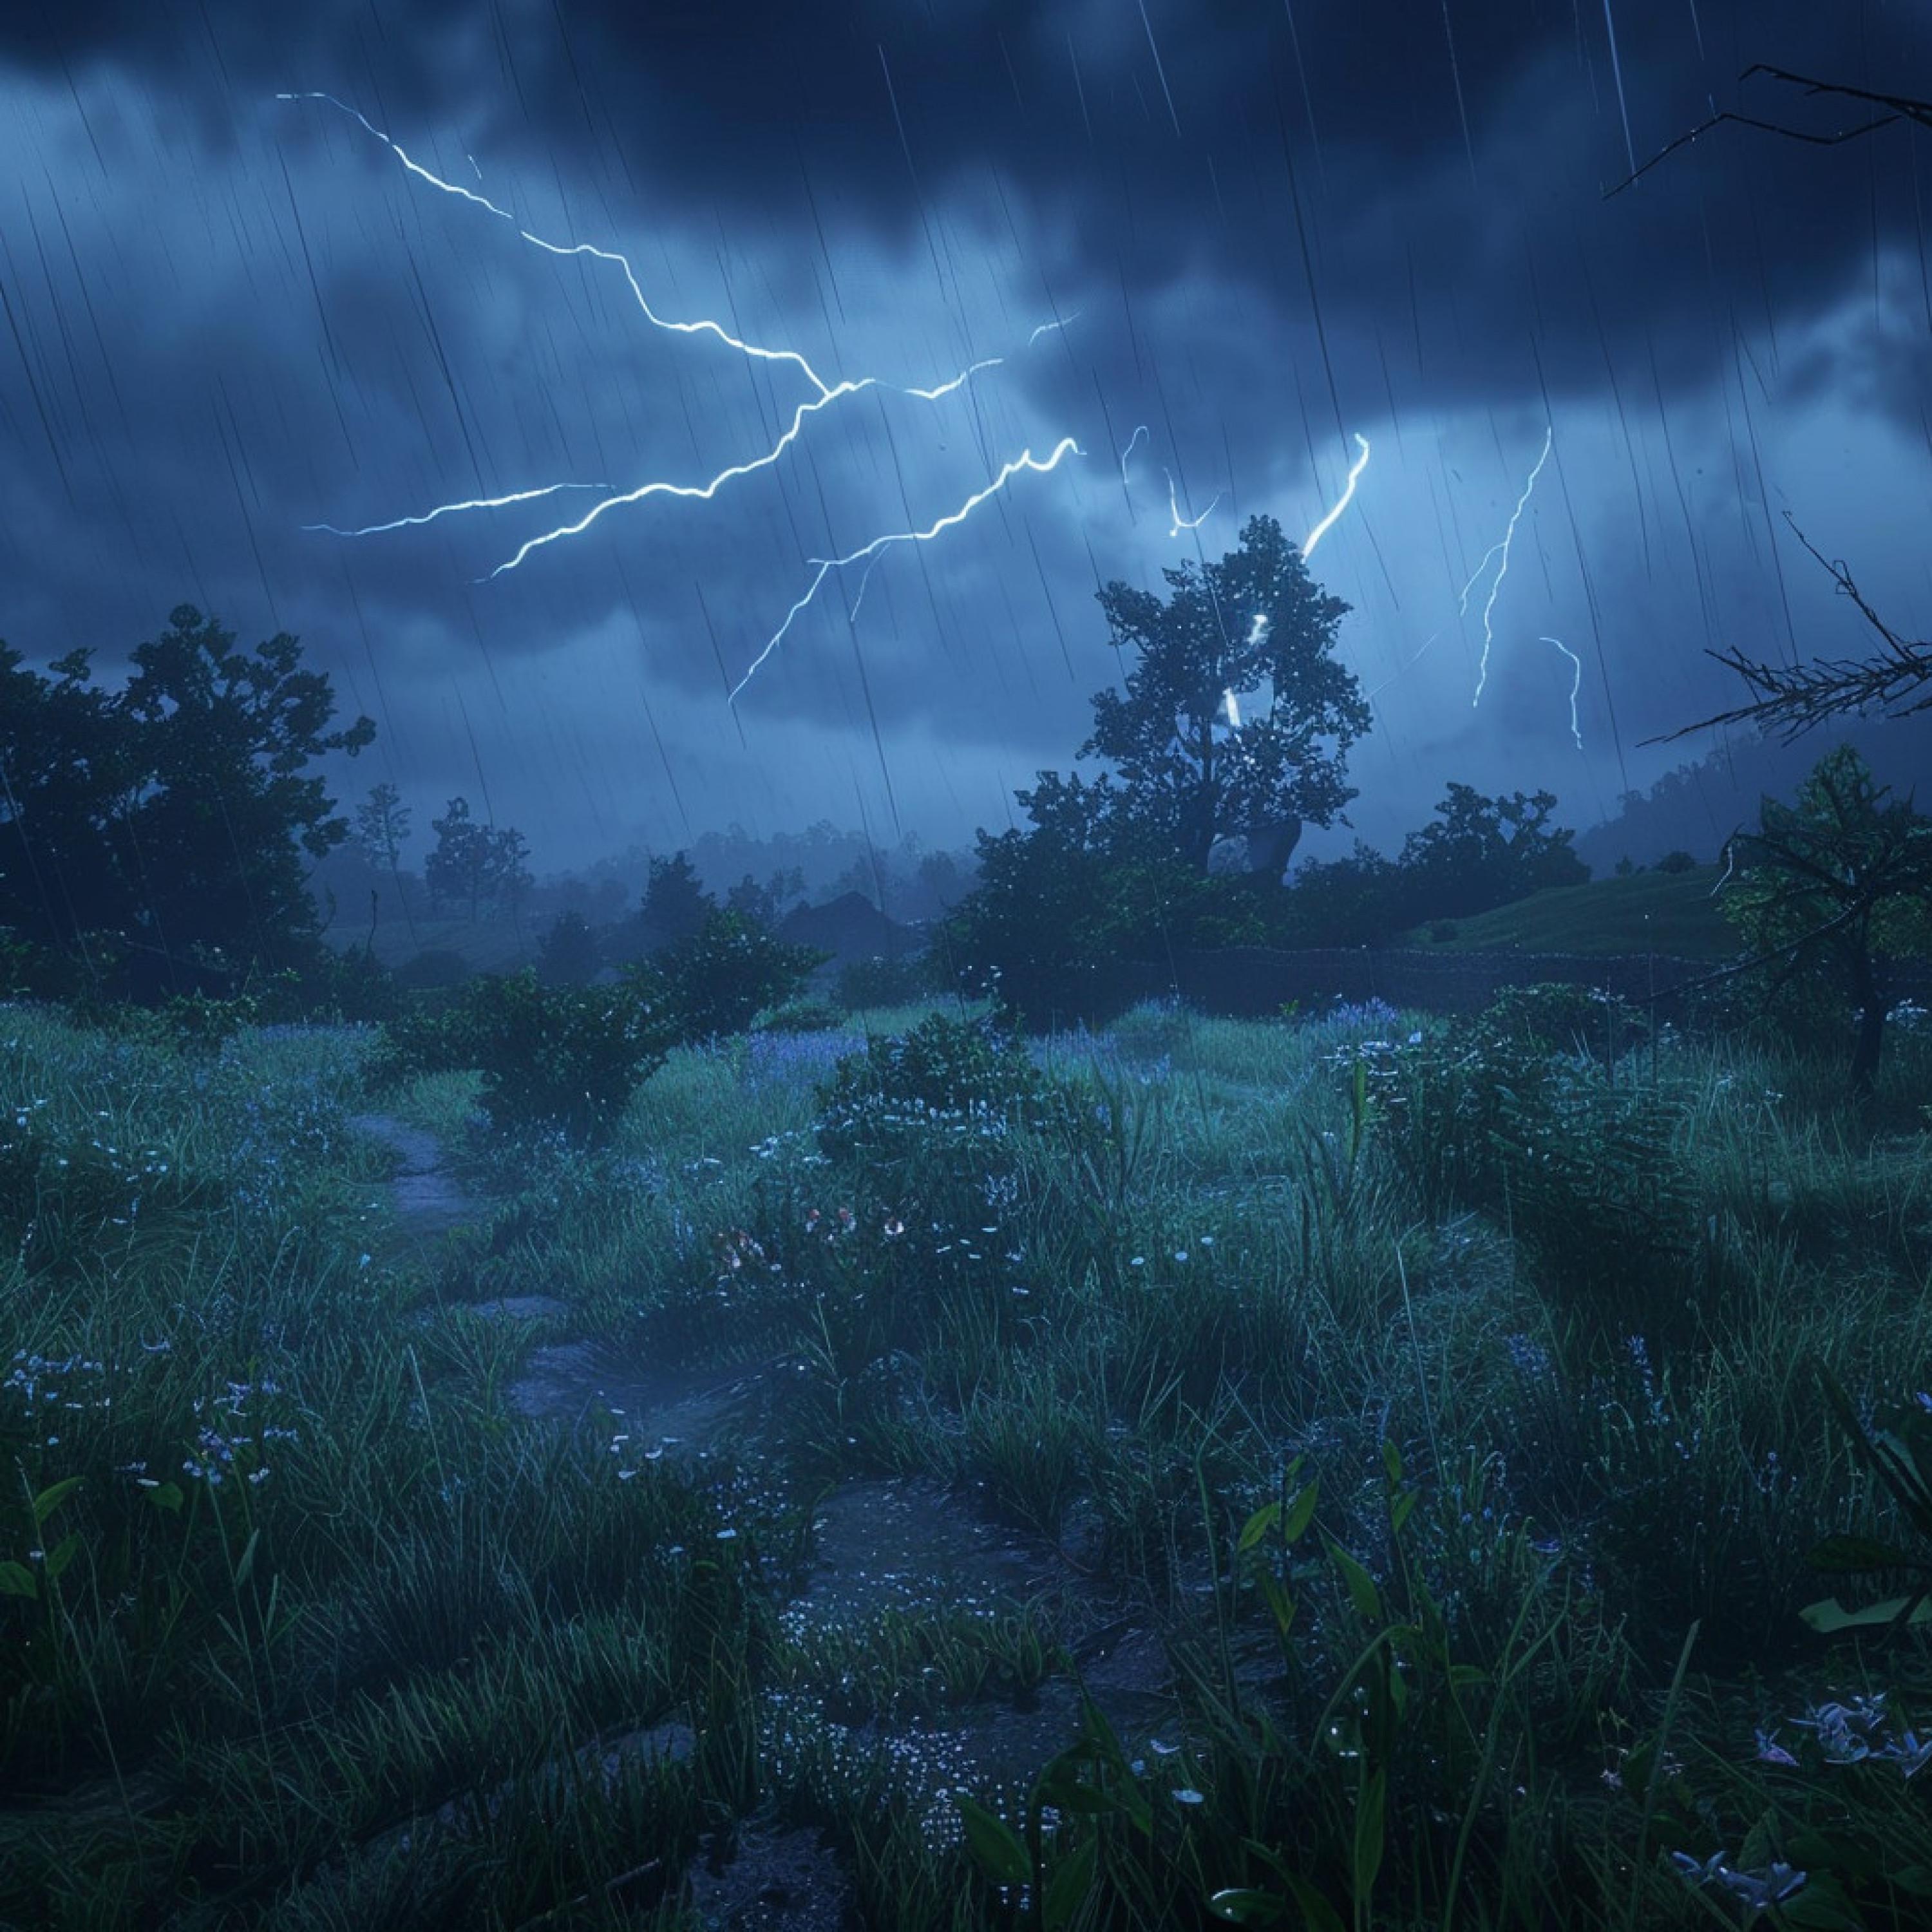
x: 168, y: 822
x: 1832, y: 883
x: 1196, y: 765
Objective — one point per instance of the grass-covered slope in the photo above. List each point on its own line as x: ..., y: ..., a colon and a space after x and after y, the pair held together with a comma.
x: 1672, y: 914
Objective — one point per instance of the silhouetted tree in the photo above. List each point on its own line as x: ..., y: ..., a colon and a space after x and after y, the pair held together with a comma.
x: 1833, y: 882
x: 1190, y: 774
x: 471, y: 862
x: 674, y: 903
x: 1485, y: 852
x: 175, y: 815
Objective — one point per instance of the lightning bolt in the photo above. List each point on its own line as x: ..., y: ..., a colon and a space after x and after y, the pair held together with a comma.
x: 1501, y: 549
x: 1575, y: 684
x: 1308, y: 542
x: 1026, y: 459
x: 1342, y: 502
x: 1181, y: 523
x: 825, y: 393
x: 1140, y: 430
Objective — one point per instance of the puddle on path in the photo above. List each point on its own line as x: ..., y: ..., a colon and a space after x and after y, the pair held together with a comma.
x: 429, y: 1202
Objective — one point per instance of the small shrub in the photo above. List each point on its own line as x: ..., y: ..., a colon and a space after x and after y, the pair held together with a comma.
x: 722, y: 976
x: 971, y: 1076
x: 569, y: 1057
x: 1677, y: 861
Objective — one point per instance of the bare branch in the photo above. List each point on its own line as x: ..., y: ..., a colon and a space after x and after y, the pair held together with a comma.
x: 1795, y: 699
x: 1901, y: 107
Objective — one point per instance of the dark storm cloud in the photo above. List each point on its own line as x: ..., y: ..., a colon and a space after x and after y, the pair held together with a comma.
x: 1276, y: 227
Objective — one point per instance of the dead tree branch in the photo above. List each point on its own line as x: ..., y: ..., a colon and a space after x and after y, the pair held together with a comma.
x: 1795, y: 699
x: 1898, y: 106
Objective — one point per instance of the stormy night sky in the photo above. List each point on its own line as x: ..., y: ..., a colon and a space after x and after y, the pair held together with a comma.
x: 1259, y: 229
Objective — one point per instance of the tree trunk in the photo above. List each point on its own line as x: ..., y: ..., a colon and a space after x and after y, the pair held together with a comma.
x: 1871, y: 1025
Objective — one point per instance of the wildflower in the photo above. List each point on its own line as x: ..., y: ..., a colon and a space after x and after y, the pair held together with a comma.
x: 1186, y: 1794
x: 1770, y: 1751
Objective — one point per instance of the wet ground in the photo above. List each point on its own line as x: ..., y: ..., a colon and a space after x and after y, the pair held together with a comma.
x: 878, y: 1543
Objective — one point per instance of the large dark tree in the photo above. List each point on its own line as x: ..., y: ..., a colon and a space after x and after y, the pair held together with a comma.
x: 1833, y: 883
x: 173, y: 818
x: 1254, y: 623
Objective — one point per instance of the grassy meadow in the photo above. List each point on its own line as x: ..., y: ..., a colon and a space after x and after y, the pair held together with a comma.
x: 1403, y: 1446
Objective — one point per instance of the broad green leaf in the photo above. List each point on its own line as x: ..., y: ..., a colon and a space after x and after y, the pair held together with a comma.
x: 1300, y: 1514
x: 62, y: 1554
x: 1369, y: 1830
x: 1402, y: 1508
x: 17, y: 1580
x: 1317, y: 1913
x: 1068, y: 1888
x: 1831, y: 1615
x: 168, y: 1496
x: 1258, y: 1526
x: 247, y: 1562
x: 1362, y: 1591
x: 1280, y: 1604
x: 1243, y: 1906
x: 51, y: 1498
x: 1392, y: 1462
x: 995, y: 1843
x: 1821, y: 1906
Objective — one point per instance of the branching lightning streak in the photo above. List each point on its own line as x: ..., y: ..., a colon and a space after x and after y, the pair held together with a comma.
x: 1026, y: 459
x: 1181, y: 523
x: 1502, y: 550
x: 1342, y: 502
x: 1575, y: 684
x: 827, y: 393
x: 1140, y: 430
x: 1047, y: 327
x: 444, y: 509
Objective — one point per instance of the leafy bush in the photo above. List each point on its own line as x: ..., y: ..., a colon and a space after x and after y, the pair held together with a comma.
x: 1516, y: 1112
x: 720, y: 978
x: 569, y: 1057
x: 565, y: 1057
x: 971, y: 1076
x: 1677, y: 861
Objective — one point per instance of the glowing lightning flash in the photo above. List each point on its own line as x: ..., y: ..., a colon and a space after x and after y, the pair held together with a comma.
x: 825, y: 395
x: 1026, y: 459
x: 1140, y: 430
x: 1342, y: 502
x: 1308, y: 543
x: 1257, y: 630
x: 1575, y: 684
x: 1502, y: 550
x: 1181, y: 523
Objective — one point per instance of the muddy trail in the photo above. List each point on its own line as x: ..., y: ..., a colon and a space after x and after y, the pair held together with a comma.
x: 878, y: 1544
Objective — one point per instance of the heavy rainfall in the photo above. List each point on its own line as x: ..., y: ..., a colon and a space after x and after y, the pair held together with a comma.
x: 965, y: 964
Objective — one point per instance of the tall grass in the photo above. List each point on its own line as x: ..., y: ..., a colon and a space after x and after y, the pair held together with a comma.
x: 1410, y: 1393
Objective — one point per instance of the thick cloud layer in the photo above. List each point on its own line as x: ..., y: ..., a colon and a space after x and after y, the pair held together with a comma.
x: 1257, y: 230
